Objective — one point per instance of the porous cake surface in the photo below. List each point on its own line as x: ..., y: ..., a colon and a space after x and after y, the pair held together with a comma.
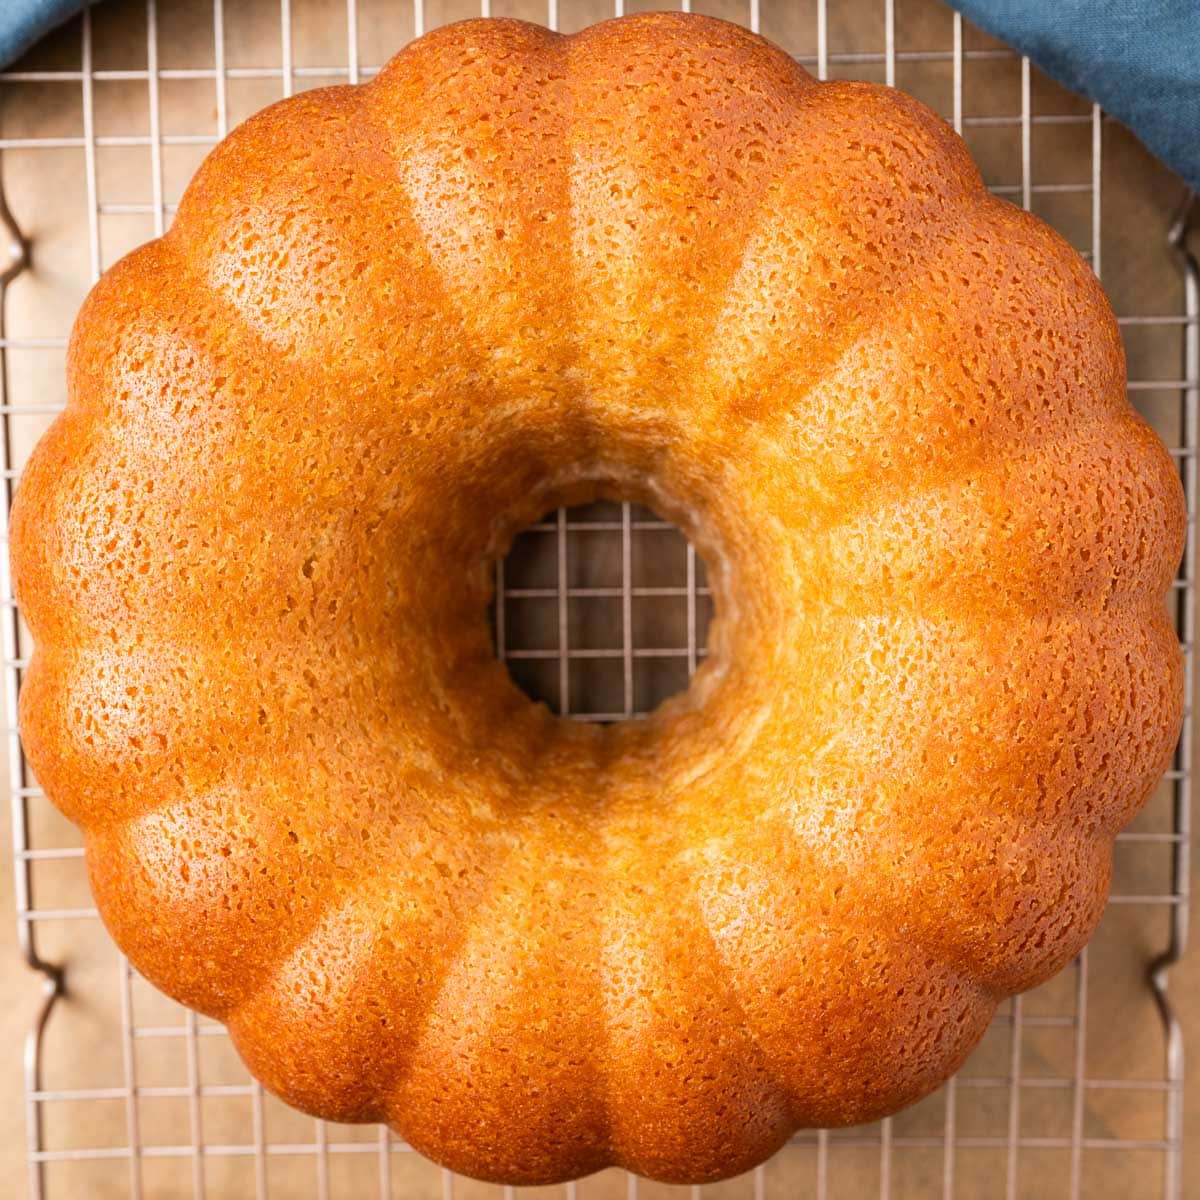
x: 393, y: 323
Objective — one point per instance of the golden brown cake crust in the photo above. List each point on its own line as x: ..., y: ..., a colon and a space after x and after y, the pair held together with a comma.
x: 393, y: 323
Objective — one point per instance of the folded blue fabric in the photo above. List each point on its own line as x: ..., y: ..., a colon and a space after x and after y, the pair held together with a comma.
x: 22, y: 22
x: 1140, y: 59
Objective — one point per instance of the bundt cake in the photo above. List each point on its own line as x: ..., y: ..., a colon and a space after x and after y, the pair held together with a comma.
x: 392, y: 324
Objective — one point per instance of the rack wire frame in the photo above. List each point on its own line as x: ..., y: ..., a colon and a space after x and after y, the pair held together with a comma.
x: 564, y: 526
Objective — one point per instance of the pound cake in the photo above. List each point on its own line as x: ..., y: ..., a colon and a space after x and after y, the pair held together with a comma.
x: 656, y: 261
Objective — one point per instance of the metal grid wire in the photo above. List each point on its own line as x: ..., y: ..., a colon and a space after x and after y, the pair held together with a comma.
x: 226, y: 1136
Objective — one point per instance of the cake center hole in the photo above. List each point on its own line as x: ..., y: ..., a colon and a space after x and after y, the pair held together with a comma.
x: 602, y: 611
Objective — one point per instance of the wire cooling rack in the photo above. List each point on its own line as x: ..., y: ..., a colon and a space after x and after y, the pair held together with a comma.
x: 1075, y: 1091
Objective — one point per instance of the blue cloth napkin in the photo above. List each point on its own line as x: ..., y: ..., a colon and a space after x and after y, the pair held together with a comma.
x: 1140, y: 59
x: 22, y: 22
